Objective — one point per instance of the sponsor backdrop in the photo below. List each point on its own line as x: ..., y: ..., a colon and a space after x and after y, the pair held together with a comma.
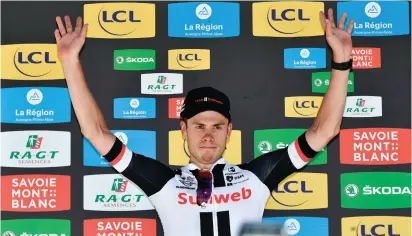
x: 140, y: 59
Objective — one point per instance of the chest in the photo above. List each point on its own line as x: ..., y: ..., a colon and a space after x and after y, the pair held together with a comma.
x: 230, y: 190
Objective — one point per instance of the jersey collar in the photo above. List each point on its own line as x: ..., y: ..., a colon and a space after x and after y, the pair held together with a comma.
x: 192, y: 166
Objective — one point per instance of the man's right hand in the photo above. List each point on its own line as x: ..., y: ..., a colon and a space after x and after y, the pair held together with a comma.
x: 69, y: 42
x: 92, y: 124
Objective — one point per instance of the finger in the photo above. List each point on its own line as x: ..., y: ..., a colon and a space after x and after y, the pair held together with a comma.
x: 57, y: 35
x: 322, y: 19
x: 60, y: 26
x: 331, y: 18
x: 84, y: 31
x: 78, y: 25
x: 328, y: 28
x: 350, y: 27
x: 68, y: 24
x: 342, y: 21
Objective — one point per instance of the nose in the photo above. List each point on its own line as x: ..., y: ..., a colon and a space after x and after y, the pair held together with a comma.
x: 208, y: 137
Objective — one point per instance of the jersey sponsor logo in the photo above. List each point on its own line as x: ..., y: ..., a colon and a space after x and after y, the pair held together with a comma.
x: 175, y: 106
x: 119, y: 226
x: 366, y: 58
x: 30, y: 62
x: 35, y: 149
x: 178, y: 157
x: 375, y: 146
x: 35, y: 193
x: 35, y: 105
x: 189, y: 59
x: 376, y: 190
x: 242, y: 194
x: 134, y: 59
x: 376, y: 226
x: 302, y: 107
x: 162, y: 83
x: 300, y: 191
x: 120, y: 20
x: 232, y: 177
x: 304, y: 58
x: 376, y: 18
x: 134, y: 108
x: 321, y: 80
x: 204, y: 20
x: 287, y: 19
x: 35, y: 227
x: 269, y: 140
x: 302, y: 226
x: 188, y: 182
x: 142, y: 142
x: 113, y: 193
x: 363, y: 106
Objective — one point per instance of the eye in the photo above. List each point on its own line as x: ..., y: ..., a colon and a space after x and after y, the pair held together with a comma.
x: 218, y: 127
x: 199, y: 126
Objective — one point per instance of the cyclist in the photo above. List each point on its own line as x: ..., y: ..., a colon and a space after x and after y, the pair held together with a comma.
x: 209, y: 196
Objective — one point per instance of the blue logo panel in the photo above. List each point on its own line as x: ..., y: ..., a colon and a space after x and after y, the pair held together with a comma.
x: 134, y: 108
x: 204, y: 20
x: 377, y: 18
x: 301, y: 226
x: 139, y: 141
x: 304, y: 58
x: 35, y: 105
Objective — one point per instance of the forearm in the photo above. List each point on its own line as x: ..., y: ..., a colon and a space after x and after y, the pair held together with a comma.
x: 92, y: 125
x: 87, y: 111
x: 329, y: 118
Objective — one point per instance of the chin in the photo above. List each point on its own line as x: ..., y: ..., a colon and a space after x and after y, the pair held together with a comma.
x: 208, y: 157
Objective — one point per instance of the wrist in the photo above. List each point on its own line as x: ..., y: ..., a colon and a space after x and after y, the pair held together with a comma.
x: 341, y: 58
x: 70, y: 60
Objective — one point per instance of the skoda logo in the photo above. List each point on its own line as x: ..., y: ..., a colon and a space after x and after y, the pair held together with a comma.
x: 318, y: 82
x: 351, y: 190
x: 119, y: 60
x: 8, y: 233
x: 265, y: 146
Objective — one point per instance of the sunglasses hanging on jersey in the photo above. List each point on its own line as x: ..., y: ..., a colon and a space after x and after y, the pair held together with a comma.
x: 204, y: 186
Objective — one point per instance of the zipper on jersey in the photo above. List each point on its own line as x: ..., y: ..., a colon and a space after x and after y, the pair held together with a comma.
x: 215, y: 231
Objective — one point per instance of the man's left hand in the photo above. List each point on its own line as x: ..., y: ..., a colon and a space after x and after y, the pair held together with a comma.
x: 338, y: 39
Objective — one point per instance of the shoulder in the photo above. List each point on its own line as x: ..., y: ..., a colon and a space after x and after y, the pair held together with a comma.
x: 265, y: 159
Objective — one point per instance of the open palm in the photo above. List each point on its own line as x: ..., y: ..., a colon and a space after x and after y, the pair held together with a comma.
x: 69, y: 42
x: 338, y: 39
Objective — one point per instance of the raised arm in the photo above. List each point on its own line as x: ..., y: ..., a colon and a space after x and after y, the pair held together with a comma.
x: 271, y: 168
x: 328, y: 120
x: 92, y: 124
x: 149, y: 174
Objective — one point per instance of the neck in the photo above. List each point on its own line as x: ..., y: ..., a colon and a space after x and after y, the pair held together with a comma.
x: 200, y: 165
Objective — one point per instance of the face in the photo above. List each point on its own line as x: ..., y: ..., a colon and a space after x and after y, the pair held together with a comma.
x: 206, y: 135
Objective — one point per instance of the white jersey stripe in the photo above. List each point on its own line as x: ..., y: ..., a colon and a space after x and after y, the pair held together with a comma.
x: 124, y: 161
x: 295, y: 157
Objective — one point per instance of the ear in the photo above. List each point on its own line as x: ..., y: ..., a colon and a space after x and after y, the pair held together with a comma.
x: 183, y: 128
x: 229, y: 129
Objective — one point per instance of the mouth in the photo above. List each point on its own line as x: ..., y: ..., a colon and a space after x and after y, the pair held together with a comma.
x: 208, y: 148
